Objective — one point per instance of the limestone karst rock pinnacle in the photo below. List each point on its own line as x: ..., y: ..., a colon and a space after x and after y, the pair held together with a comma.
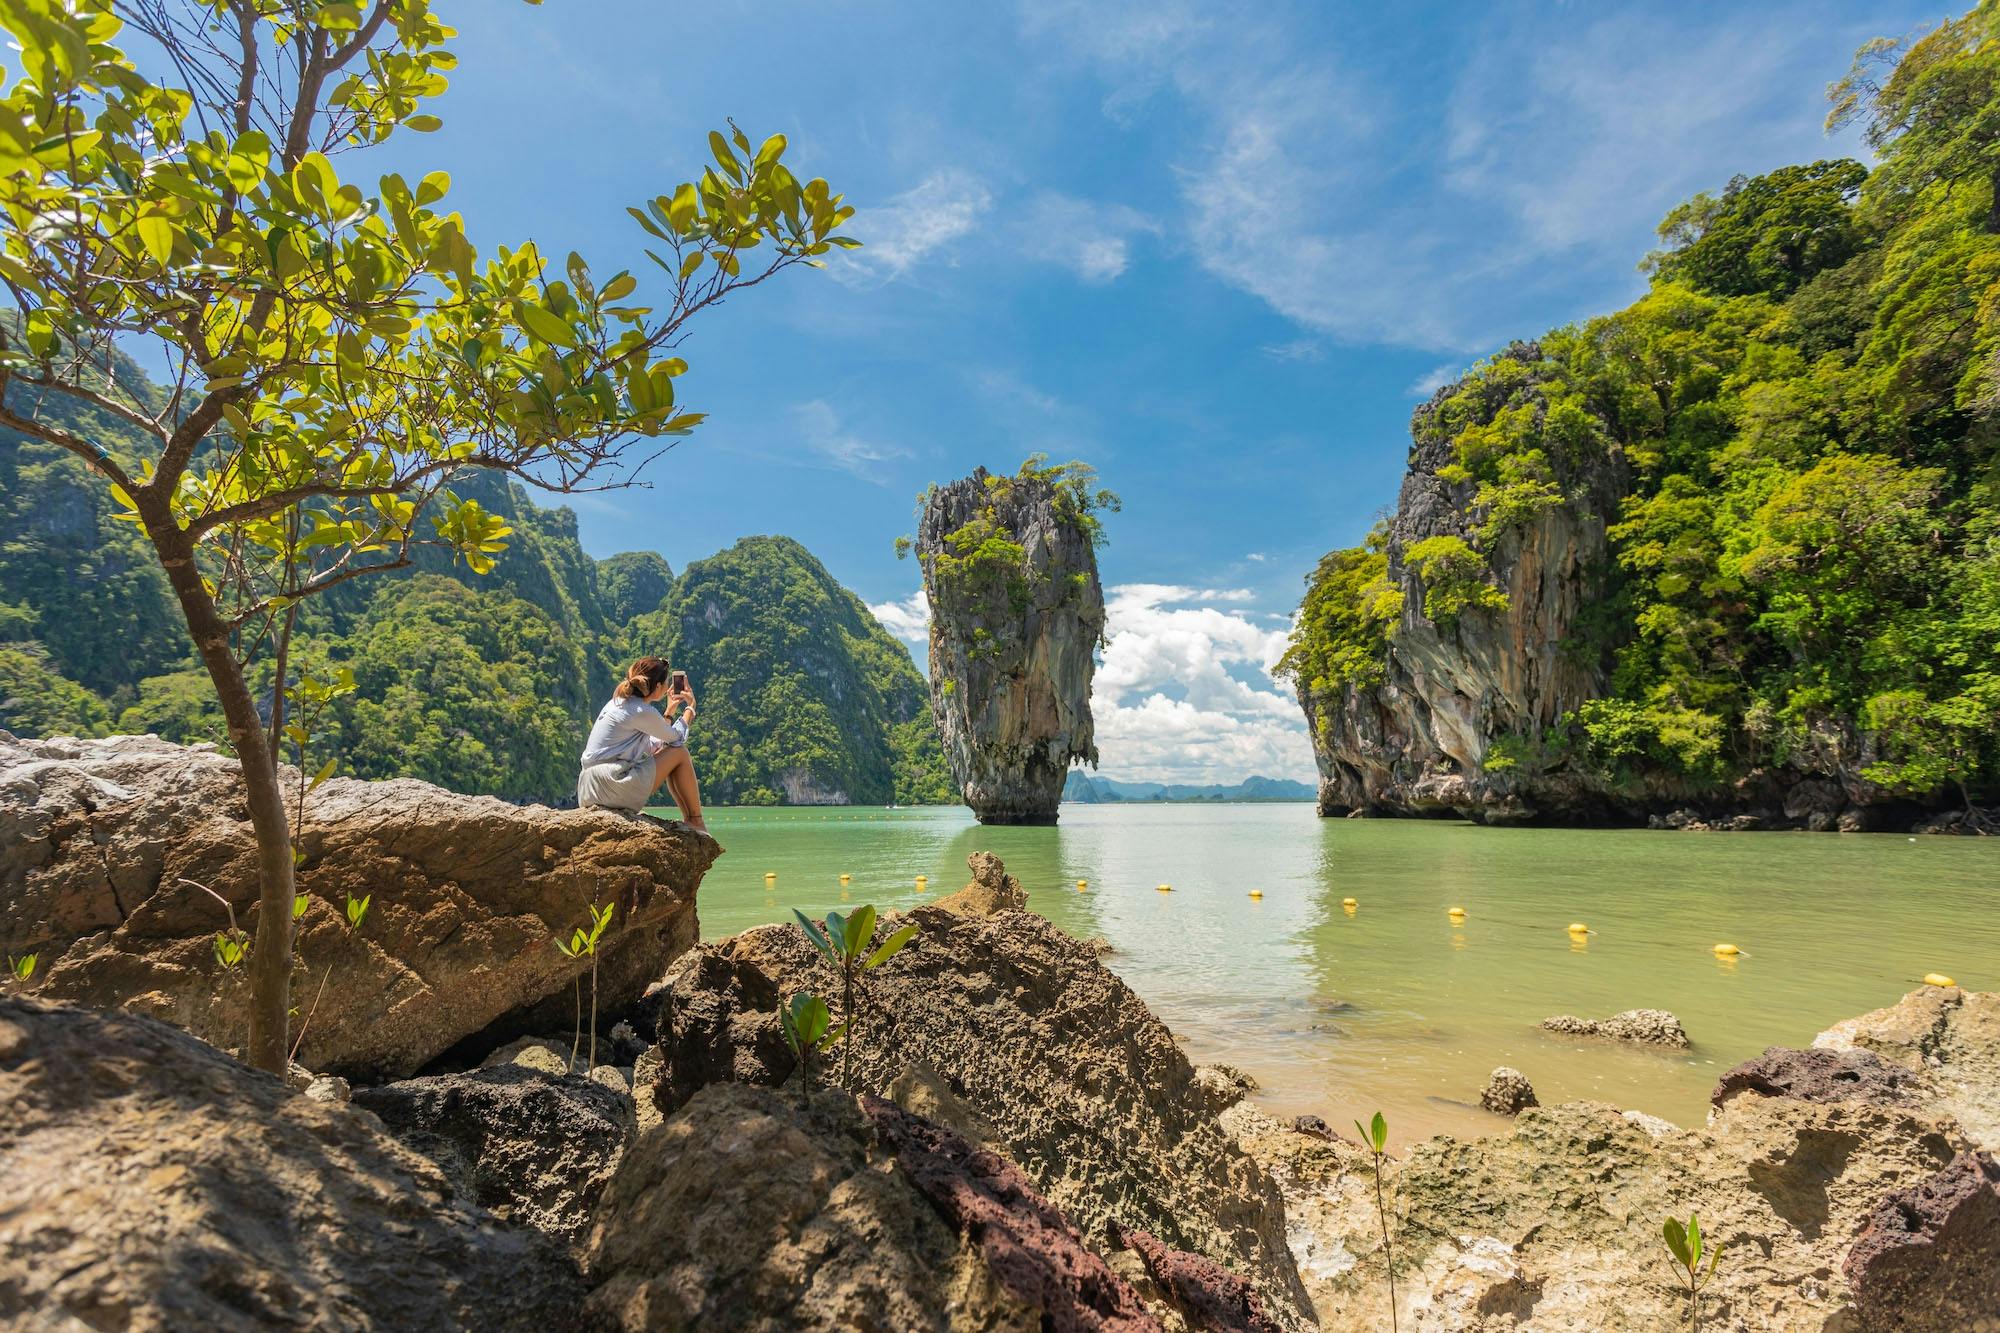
x: 1010, y: 567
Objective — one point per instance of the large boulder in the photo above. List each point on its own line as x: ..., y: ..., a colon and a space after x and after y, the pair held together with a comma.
x: 1951, y: 1038
x: 749, y: 1210
x: 152, y: 1184
x: 536, y: 1150
x: 1018, y: 1026
x: 1010, y: 569
x: 106, y: 846
x: 1930, y: 1257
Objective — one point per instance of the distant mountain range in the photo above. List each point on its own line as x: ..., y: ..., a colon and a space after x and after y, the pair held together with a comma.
x: 1083, y: 789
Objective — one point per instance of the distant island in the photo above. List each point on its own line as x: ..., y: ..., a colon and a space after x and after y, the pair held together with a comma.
x: 1083, y: 789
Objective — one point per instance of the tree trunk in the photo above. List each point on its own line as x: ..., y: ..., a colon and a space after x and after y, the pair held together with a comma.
x: 271, y: 956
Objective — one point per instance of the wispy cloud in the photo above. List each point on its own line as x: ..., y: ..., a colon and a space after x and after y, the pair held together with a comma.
x: 914, y: 226
x: 1092, y: 240
x: 821, y: 431
x: 1434, y: 379
x: 1298, y: 349
x: 1557, y: 147
x: 909, y: 619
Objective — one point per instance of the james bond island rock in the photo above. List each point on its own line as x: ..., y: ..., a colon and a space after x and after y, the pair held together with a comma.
x: 1010, y: 567
x: 103, y: 845
x: 1013, y: 1034
x: 1930, y: 1256
x: 153, y: 1184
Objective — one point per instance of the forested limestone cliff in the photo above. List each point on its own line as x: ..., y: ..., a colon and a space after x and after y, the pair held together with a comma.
x: 1732, y: 553
x: 1010, y: 567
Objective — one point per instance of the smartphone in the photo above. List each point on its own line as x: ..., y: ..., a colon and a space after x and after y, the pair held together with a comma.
x: 680, y: 682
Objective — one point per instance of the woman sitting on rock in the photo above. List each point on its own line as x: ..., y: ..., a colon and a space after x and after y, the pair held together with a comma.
x: 633, y: 750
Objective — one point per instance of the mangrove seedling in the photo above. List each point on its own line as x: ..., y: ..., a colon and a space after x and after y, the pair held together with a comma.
x: 309, y: 697
x: 1686, y: 1245
x: 357, y: 911
x: 583, y: 943
x: 809, y: 1029
x: 1376, y: 1139
x: 22, y: 968
x: 844, y: 943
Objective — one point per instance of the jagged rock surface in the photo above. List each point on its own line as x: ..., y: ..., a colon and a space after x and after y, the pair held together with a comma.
x: 99, y: 838
x: 533, y: 1149
x: 1011, y: 650
x: 1508, y: 1092
x: 152, y: 1184
x: 1951, y: 1038
x: 1555, y: 1224
x: 1058, y: 1060
x: 745, y: 1210
x: 1642, y: 1027
x: 1821, y: 1076
x: 1930, y: 1257
x: 1417, y: 741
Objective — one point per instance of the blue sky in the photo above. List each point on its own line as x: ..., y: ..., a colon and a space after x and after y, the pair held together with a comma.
x: 1218, y: 251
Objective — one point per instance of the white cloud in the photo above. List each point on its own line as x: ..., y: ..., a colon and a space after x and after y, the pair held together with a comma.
x: 909, y: 619
x: 1091, y: 240
x: 821, y: 431
x: 1185, y: 692
x: 1434, y: 379
x: 1298, y: 349
x: 1364, y: 213
x: 912, y: 227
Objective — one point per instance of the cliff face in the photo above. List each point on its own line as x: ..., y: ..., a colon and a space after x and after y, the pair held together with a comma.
x: 1472, y: 713
x: 804, y: 697
x: 1010, y: 567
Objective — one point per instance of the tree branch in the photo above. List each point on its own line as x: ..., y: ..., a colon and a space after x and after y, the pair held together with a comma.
x: 76, y: 444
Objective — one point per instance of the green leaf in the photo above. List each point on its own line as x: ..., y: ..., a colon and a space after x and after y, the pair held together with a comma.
x: 689, y: 265
x: 157, y: 235
x: 549, y: 327
x: 424, y: 124
x: 860, y: 929
x: 299, y: 904
x: 813, y: 933
x: 773, y: 149
x: 326, y: 771
x: 618, y: 288
x: 1676, y: 1236
x: 1378, y: 1132
x: 1694, y: 1239
x: 724, y: 158
x: 893, y: 945
x: 836, y: 932
x: 684, y: 208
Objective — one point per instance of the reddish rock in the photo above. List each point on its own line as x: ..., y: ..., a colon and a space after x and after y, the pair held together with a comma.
x: 1821, y: 1076
x: 1030, y: 1248
x: 1929, y: 1256
x: 1209, y: 1296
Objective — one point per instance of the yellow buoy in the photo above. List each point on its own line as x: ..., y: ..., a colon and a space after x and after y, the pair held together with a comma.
x: 1166, y: 888
x: 1726, y: 951
x: 1456, y: 914
x: 923, y: 882
x: 1349, y: 902
x: 847, y: 879
x: 1578, y: 928
x: 1938, y: 979
x: 1256, y: 893
x: 770, y: 874
x: 1082, y: 884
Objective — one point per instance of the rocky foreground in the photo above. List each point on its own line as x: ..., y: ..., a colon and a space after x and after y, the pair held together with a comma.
x: 1020, y: 1144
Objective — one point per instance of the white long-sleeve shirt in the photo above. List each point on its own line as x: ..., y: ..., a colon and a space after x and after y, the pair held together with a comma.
x: 629, y: 730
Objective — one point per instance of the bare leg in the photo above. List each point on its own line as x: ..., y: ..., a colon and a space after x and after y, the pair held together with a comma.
x: 676, y: 774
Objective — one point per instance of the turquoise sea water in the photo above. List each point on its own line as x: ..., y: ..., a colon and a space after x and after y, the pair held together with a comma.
x: 1393, y: 1006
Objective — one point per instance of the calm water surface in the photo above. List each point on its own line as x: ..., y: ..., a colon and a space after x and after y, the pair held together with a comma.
x: 1392, y: 1006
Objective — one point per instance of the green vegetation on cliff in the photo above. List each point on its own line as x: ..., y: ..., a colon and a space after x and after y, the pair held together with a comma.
x: 1800, y: 422
x: 479, y: 685
x: 804, y: 697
